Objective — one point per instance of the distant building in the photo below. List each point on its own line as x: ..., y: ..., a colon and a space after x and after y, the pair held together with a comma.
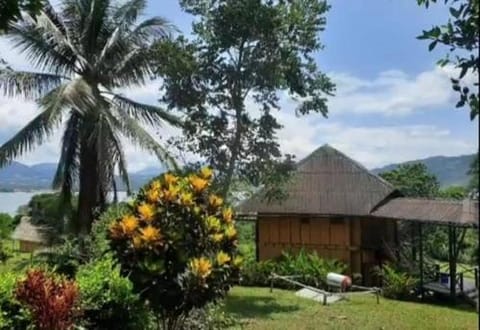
x: 28, y: 236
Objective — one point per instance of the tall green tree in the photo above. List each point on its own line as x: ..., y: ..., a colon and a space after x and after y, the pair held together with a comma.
x: 474, y: 183
x: 229, y: 79
x: 413, y: 180
x: 84, y: 52
x: 461, y: 35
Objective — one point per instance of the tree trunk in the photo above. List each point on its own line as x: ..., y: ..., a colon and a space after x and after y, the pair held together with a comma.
x: 88, y: 197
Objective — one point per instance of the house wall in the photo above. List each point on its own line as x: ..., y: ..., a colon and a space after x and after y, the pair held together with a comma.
x: 352, y: 240
x: 26, y: 246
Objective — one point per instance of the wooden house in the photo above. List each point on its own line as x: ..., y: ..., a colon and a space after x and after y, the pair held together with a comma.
x: 28, y: 236
x: 339, y: 209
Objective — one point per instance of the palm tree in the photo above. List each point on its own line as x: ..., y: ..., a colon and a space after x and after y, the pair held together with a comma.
x: 84, y: 52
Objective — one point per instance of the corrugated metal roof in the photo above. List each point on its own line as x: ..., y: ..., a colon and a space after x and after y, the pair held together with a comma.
x: 430, y: 210
x: 326, y: 182
x: 25, y: 231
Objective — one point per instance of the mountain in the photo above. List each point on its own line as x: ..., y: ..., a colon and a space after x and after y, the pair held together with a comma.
x: 448, y: 170
x: 21, y: 177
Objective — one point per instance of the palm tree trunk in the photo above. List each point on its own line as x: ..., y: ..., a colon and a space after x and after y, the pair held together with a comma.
x: 88, y: 197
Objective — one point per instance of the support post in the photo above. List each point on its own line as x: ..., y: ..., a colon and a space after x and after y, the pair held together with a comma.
x: 257, y: 243
x: 414, y: 242
x: 420, y: 251
x: 452, y: 262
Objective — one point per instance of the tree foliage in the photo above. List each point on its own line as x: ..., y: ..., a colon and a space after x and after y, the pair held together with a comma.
x: 84, y: 52
x: 10, y: 10
x: 461, y: 35
x: 6, y: 225
x: 413, y: 180
x: 245, y: 59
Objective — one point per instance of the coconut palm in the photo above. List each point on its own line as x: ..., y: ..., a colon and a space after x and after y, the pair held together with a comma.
x: 84, y: 52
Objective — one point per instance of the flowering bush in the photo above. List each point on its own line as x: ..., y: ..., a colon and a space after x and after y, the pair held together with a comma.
x: 177, y: 241
x: 51, y: 300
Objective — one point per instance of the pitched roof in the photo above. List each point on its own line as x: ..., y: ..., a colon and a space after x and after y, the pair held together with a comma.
x: 460, y: 213
x: 25, y: 231
x: 326, y: 182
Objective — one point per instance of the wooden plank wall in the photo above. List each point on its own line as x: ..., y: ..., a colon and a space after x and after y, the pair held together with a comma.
x: 353, y: 240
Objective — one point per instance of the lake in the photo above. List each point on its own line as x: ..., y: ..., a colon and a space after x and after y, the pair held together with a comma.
x: 10, y: 201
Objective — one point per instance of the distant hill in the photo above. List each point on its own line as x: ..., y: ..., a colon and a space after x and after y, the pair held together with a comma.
x: 448, y: 170
x: 21, y: 177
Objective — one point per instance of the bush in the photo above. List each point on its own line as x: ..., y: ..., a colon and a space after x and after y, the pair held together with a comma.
x: 64, y: 258
x: 395, y: 283
x: 50, y: 299
x: 178, y: 244
x: 6, y: 225
x: 12, y: 314
x: 107, y: 298
x: 210, y: 317
x: 312, y: 270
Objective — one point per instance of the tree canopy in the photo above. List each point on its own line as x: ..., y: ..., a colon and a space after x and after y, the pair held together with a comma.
x: 10, y: 10
x: 245, y: 59
x: 461, y: 35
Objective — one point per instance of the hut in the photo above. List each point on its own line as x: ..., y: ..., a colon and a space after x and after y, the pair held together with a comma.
x: 339, y: 209
x: 28, y: 236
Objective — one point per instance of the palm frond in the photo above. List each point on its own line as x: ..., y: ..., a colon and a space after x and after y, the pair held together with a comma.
x: 152, y: 29
x: 129, y: 12
x: 30, y: 85
x: 68, y: 167
x: 150, y: 114
x: 37, y: 130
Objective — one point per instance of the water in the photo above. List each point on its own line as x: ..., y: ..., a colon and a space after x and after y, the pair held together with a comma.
x: 11, y: 201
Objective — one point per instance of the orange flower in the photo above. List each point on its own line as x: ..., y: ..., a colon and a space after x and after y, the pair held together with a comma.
x: 206, y: 173
x: 186, y: 199
x: 153, y: 195
x: 223, y: 258
x: 150, y: 234
x: 230, y: 232
x: 198, y: 184
x: 129, y: 224
x: 215, y: 201
x: 146, y: 211
x: 201, y: 267
x: 170, y: 179
x: 227, y: 215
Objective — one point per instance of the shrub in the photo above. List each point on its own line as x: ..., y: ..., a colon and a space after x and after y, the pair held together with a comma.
x: 395, y: 283
x: 210, y: 317
x: 6, y: 225
x: 107, y: 298
x: 63, y: 258
x: 311, y: 269
x: 50, y: 300
x: 12, y: 314
x: 178, y: 244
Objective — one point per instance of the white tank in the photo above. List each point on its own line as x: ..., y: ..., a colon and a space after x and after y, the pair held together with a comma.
x: 339, y: 281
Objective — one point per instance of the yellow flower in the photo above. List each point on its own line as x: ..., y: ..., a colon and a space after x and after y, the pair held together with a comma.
x: 146, y: 211
x: 129, y: 224
x: 150, y: 234
x: 186, y: 199
x: 230, y: 232
x: 215, y: 201
x: 198, y: 184
x: 170, y: 179
x: 212, y: 223
x: 206, y: 173
x: 171, y: 193
x: 227, y: 215
x: 156, y: 185
x: 223, y: 258
x: 153, y: 195
x: 217, y: 237
x: 201, y: 267
x: 237, y: 262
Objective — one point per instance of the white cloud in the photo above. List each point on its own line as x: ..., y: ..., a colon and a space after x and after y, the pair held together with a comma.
x: 394, y: 93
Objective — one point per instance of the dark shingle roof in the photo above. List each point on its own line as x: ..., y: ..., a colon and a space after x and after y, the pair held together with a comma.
x: 326, y: 182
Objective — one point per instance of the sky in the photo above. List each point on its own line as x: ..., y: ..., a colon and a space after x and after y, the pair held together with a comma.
x: 392, y: 104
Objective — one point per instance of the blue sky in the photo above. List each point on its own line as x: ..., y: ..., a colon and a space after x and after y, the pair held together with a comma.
x: 392, y: 104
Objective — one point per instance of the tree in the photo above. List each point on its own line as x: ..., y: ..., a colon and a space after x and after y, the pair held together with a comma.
x: 10, y: 10
x: 413, y: 180
x: 84, y: 53
x: 453, y: 192
x: 473, y: 185
x: 461, y: 35
x: 6, y: 225
x: 229, y: 82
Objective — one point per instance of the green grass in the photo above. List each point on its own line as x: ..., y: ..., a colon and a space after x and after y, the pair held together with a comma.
x: 257, y: 308
x: 17, y: 262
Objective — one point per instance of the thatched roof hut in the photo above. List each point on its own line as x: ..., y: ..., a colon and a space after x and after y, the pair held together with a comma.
x: 29, y: 236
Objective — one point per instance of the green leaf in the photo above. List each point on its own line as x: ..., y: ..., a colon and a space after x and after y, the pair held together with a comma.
x: 432, y: 45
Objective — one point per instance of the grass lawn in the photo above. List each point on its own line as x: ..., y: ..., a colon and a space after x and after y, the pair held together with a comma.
x: 257, y: 308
